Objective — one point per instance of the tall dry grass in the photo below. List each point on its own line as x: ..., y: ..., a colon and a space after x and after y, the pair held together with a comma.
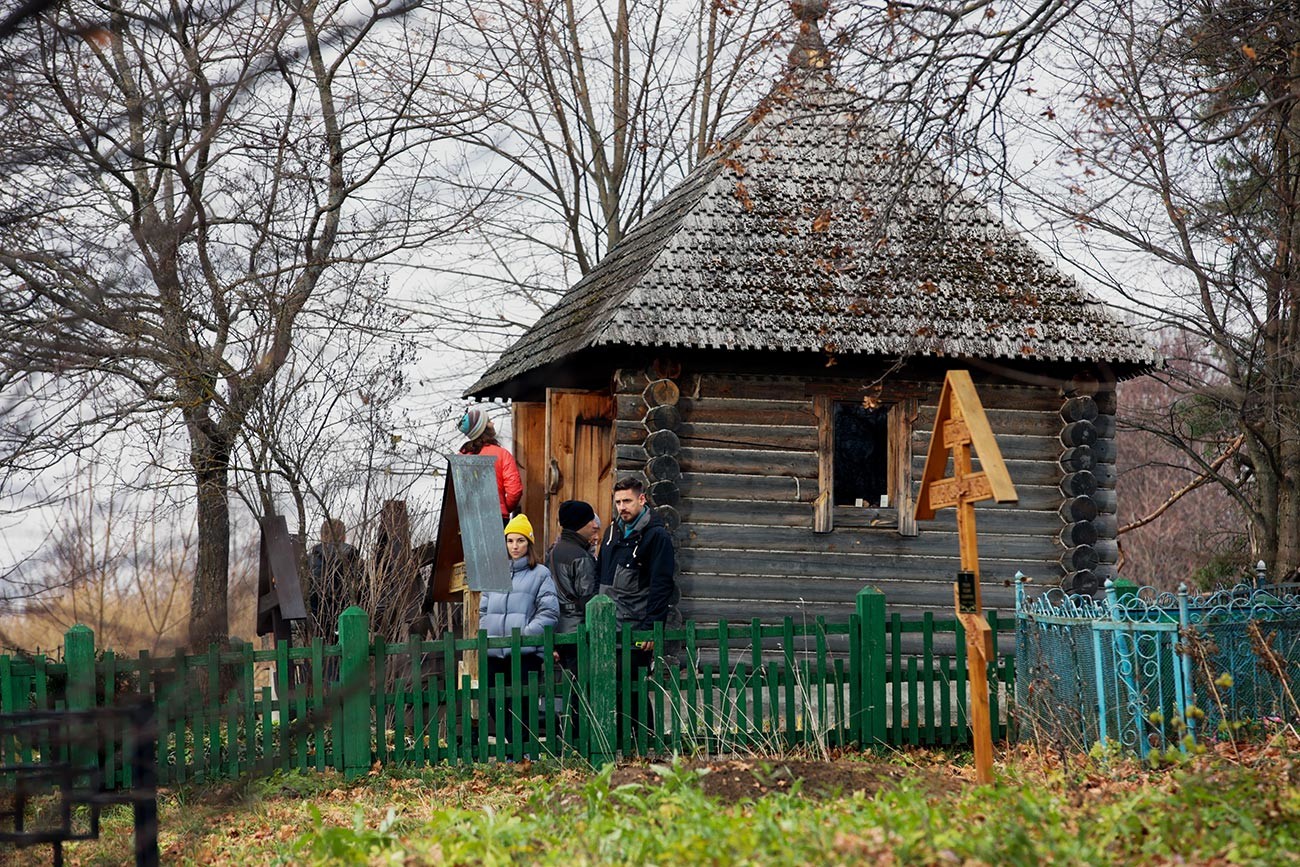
x: 127, y: 576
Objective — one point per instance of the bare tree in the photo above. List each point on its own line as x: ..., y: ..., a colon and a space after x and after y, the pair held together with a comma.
x: 113, y: 566
x: 335, y: 418
x: 1184, y: 147
x: 1176, y: 525
x: 590, y: 112
x: 183, y: 185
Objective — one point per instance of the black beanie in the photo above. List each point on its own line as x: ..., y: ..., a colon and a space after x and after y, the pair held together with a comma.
x: 575, y: 514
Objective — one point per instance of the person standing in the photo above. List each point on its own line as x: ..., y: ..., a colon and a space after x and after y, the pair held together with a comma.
x: 638, y: 568
x: 335, y: 569
x: 572, y: 565
x: 481, y: 439
x: 530, y: 605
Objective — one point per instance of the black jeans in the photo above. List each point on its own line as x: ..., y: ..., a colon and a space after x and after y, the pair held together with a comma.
x: 634, y: 722
x: 528, y: 662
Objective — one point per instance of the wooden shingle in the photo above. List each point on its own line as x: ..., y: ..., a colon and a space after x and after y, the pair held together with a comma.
x: 812, y: 228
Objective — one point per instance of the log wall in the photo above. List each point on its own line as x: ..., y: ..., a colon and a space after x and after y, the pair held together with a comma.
x: 746, y: 464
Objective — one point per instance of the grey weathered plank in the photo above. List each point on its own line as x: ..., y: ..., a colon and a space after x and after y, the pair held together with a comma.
x: 792, y: 488
x: 1005, y: 422
x: 711, y: 385
x: 734, y: 436
x: 998, y: 562
x: 749, y: 436
x: 749, y: 462
x: 1014, y: 447
x: 935, y: 591
x: 787, y: 488
x: 1022, y: 472
x: 776, y: 526
x: 725, y: 410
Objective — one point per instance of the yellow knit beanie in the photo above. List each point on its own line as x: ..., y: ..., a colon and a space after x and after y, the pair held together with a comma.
x: 521, y: 525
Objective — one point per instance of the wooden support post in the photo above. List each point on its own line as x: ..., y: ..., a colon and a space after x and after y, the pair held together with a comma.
x: 971, y: 614
x: 469, y: 600
x: 354, y: 671
x: 602, y: 632
x: 79, y: 655
x: 979, y: 650
x: 869, y: 680
x: 8, y: 696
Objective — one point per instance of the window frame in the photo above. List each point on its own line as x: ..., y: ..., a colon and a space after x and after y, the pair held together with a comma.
x: 899, y: 516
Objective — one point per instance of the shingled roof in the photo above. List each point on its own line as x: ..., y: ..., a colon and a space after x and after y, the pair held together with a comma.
x: 812, y: 228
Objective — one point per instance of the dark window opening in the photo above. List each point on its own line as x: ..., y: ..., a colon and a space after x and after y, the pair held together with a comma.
x: 861, y: 455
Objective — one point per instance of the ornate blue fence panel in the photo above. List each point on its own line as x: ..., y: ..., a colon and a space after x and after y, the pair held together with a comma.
x: 1153, y: 670
x: 1056, y: 671
x: 1142, y: 689
x: 1254, y: 637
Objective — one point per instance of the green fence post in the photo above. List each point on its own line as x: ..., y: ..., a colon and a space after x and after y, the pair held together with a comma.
x: 602, y: 679
x: 8, y: 692
x: 9, y: 748
x: 871, y: 679
x: 354, y: 687
x: 79, y: 656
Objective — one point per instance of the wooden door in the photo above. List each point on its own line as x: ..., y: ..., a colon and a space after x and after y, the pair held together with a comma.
x: 528, y: 422
x: 579, y: 454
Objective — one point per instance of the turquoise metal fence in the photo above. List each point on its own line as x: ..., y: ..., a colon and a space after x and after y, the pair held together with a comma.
x: 1151, y: 670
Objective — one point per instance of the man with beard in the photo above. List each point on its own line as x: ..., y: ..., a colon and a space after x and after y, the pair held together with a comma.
x: 638, y: 568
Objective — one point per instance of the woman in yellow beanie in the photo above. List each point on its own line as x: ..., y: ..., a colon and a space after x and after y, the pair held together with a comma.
x: 531, y: 604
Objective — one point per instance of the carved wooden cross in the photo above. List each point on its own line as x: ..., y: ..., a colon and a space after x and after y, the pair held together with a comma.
x: 961, y: 426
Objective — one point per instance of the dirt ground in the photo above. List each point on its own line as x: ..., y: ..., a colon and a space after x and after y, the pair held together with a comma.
x: 732, y: 780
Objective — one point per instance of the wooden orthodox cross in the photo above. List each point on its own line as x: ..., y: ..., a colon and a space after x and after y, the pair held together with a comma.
x: 960, y: 428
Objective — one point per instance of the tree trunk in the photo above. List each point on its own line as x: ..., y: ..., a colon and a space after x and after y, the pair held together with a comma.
x: 1286, y: 558
x: 209, y: 612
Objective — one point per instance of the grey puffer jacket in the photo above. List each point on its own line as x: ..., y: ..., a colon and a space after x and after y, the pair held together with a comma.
x: 531, y: 605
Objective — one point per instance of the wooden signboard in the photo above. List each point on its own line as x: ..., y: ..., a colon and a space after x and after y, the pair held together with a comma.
x: 961, y: 431
x: 470, y: 557
x: 470, y: 530
x: 279, y: 587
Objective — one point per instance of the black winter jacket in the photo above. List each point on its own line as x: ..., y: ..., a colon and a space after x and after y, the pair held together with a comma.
x: 574, y: 571
x: 638, y: 571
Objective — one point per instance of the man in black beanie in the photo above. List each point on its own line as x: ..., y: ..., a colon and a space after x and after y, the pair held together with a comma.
x: 572, y: 565
x: 574, y: 570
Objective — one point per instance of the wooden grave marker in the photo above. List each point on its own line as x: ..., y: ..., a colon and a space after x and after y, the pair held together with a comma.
x: 279, y: 587
x: 961, y: 430
x: 397, y: 562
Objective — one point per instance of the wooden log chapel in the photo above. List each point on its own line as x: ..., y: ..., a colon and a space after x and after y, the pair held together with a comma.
x: 767, y: 346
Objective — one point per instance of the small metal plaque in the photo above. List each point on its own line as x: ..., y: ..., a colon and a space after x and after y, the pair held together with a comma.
x: 967, y: 596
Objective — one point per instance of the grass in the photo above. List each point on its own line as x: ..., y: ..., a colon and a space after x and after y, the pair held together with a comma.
x: 1242, y: 808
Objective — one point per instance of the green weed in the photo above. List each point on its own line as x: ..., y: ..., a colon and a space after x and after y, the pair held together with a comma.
x: 359, y: 844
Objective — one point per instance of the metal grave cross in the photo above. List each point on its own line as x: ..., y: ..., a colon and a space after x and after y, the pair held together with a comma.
x: 960, y: 428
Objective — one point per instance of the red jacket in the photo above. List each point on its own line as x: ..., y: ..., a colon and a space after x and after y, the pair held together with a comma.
x: 510, y: 488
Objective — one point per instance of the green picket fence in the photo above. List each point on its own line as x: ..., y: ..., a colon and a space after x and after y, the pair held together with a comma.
x: 721, y: 688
